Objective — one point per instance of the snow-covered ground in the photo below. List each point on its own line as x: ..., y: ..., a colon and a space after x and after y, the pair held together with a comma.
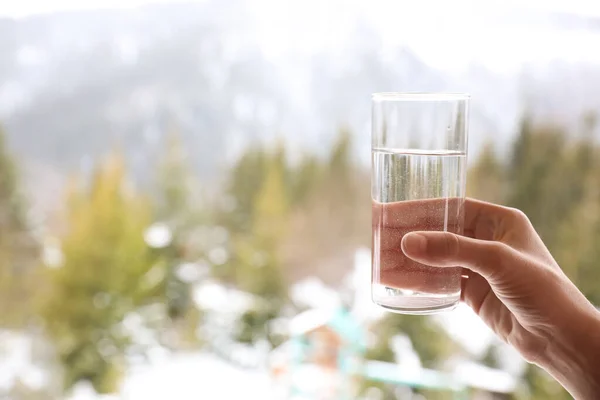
x: 17, y: 362
x: 190, y: 376
x: 195, y: 376
x: 204, y: 375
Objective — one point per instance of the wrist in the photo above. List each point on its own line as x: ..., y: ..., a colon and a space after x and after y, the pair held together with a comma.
x: 573, y: 356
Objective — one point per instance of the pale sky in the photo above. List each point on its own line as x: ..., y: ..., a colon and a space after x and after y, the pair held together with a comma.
x: 27, y: 7
x: 441, y: 32
x: 22, y: 8
x: 445, y: 34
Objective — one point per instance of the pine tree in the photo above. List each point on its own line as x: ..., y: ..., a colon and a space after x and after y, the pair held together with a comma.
x: 540, y: 178
x: 174, y: 183
x: 540, y: 386
x: 346, y: 192
x: 305, y: 178
x: 577, y: 236
x: 554, y: 182
x: 174, y: 207
x: 236, y: 205
x: 491, y: 356
x: 333, y: 220
x: 486, y: 178
x: 260, y: 270
x: 18, y: 248
x: 243, y: 184
x: 106, y: 274
x: 177, y: 205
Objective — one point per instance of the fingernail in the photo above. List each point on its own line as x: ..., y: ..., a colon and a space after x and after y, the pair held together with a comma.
x: 414, y: 243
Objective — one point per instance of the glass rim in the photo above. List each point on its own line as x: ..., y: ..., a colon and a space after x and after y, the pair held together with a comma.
x: 420, y: 96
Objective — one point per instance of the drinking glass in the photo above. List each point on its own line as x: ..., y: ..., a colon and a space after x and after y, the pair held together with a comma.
x: 418, y: 179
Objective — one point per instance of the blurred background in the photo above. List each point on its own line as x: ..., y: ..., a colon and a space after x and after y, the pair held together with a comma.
x: 184, y: 191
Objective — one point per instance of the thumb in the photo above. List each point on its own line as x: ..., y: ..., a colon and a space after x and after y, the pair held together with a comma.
x: 445, y: 249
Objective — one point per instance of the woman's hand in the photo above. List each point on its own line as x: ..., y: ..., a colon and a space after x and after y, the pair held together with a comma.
x: 514, y: 284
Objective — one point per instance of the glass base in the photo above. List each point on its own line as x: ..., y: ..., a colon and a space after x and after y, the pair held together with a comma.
x: 412, y: 302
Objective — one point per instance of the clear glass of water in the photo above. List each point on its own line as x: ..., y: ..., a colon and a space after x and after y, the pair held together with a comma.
x: 419, y: 163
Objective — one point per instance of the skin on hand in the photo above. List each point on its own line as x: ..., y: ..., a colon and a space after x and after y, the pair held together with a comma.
x: 516, y: 287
